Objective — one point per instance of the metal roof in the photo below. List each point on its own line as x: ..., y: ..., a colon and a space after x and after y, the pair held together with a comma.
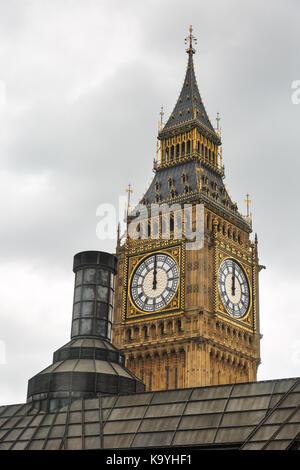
x: 213, y: 191
x: 256, y: 415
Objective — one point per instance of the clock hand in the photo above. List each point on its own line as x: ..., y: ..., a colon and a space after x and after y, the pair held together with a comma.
x: 233, y: 281
x: 154, y: 274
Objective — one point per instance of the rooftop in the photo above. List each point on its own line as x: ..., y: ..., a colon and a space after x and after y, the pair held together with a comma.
x: 257, y: 415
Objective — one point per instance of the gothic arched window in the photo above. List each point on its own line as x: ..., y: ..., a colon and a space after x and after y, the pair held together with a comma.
x: 184, y: 177
x: 172, y: 152
x: 170, y: 181
x: 128, y: 334
x: 183, y: 149
x: 208, y: 221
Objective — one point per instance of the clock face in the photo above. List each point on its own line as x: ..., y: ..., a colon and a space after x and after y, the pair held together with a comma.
x: 154, y: 282
x: 234, y: 288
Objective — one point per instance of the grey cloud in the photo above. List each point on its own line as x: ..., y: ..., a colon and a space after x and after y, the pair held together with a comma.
x: 86, y: 151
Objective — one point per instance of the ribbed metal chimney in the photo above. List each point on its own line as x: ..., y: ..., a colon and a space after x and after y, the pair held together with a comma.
x: 93, y: 294
x: 89, y: 364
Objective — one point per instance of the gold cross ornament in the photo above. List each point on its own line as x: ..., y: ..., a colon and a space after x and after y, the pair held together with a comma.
x: 190, y: 38
x: 248, y: 202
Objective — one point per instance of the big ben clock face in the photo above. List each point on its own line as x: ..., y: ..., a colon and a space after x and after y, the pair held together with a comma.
x: 234, y: 288
x: 154, y: 282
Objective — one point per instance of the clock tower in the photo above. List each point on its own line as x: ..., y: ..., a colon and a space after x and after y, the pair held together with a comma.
x: 188, y: 315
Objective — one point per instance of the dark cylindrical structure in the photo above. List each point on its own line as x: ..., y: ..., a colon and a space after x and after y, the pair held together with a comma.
x: 89, y: 364
x: 93, y: 294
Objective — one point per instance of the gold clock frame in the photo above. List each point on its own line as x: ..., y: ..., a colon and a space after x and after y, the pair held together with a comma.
x: 248, y: 320
x: 130, y: 312
x: 249, y: 286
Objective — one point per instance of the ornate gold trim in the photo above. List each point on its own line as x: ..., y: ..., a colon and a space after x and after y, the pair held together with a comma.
x: 248, y: 320
x: 135, y: 257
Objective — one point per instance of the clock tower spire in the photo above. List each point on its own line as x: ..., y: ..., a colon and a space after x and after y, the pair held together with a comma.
x: 189, y: 317
x: 189, y: 109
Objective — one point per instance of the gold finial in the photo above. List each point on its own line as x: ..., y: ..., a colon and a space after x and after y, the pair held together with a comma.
x: 190, y: 38
x: 118, y: 235
x: 129, y: 191
x: 248, y: 202
x: 249, y: 215
x: 218, y: 124
x: 160, y: 125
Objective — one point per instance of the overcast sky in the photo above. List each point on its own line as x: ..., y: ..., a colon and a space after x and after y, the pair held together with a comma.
x: 81, y: 86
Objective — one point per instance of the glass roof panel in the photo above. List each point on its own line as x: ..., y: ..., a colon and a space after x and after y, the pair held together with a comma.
x: 138, y: 399
x: 258, y: 388
x: 53, y: 444
x: 209, y: 393
x: 264, y: 433
x: 127, y: 413
x: 194, y: 437
x: 203, y: 407
x: 242, y: 418
x: 173, y: 409
x: 171, y: 396
x: 158, y: 439
x: 282, y: 386
x: 251, y: 403
x: 289, y: 431
x: 226, y: 435
x: 118, y: 441
x: 200, y: 421
x: 121, y: 427
x: 159, y: 424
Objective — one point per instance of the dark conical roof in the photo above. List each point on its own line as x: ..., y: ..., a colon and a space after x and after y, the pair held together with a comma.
x: 189, y: 106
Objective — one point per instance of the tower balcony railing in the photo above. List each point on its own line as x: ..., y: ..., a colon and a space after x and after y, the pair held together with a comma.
x: 248, y: 219
x: 188, y: 156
